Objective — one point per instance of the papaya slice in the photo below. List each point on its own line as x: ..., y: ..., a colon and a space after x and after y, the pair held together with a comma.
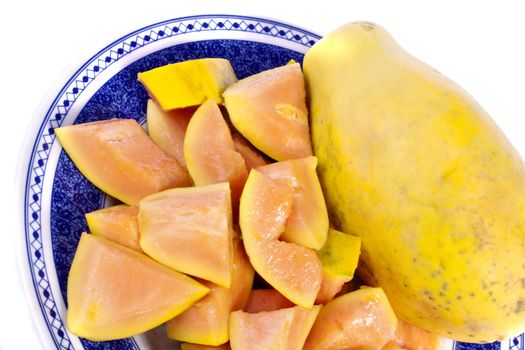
x: 252, y: 157
x: 293, y: 270
x: 118, y: 157
x: 308, y: 221
x: 242, y: 276
x: 210, y: 152
x: 269, y: 109
x: 188, y: 346
x: 392, y: 345
x: 189, y: 229
x: 330, y: 287
x: 410, y: 337
x: 283, y: 329
x: 362, y: 319
x: 266, y: 300
x: 188, y: 83
x: 339, y: 257
x: 114, y: 292
x: 167, y: 129
x: 206, y: 322
x: 117, y: 223
x: 302, y: 324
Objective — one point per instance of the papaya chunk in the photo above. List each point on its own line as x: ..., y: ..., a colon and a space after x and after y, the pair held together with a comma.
x: 269, y: 109
x: 103, y: 272
x: 188, y: 83
x: 210, y: 152
x: 308, y: 221
x: 189, y: 229
x: 362, y: 319
x: 117, y: 223
x: 167, y: 129
x: 283, y: 329
x: 293, y: 270
x: 206, y: 322
x: 118, y: 157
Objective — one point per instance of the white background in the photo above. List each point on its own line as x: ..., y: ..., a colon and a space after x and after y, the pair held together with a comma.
x: 481, y: 45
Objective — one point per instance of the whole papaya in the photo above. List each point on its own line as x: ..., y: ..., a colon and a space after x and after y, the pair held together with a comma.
x: 415, y: 167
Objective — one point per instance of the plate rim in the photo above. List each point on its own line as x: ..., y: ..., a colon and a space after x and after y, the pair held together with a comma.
x: 41, y: 117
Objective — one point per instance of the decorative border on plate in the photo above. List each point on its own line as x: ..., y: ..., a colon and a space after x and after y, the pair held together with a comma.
x: 65, y: 100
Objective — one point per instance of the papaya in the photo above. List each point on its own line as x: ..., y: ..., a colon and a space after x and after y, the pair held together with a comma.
x: 293, y: 270
x: 339, y: 257
x: 115, y: 292
x: 266, y: 300
x: 283, y: 329
x: 206, y: 322
x: 362, y: 319
x: 117, y: 223
x: 188, y: 83
x: 307, y: 224
x: 410, y: 337
x: 414, y: 166
x: 392, y: 345
x: 118, y: 157
x: 190, y: 230
x: 210, y: 152
x: 269, y: 109
x: 167, y: 129
x: 252, y: 157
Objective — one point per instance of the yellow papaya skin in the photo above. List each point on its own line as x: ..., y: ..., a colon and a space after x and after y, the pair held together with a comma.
x: 415, y: 167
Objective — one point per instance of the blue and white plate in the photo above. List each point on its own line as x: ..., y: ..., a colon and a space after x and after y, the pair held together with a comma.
x: 56, y: 196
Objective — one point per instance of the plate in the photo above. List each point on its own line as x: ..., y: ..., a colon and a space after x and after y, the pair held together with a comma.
x: 56, y: 196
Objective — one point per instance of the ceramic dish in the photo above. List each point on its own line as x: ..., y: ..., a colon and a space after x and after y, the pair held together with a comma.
x: 56, y: 195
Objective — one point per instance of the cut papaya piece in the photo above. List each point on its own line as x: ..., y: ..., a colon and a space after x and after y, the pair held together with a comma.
x: 302, y: 324
x: 339, y: 257
x: 266, y: 300
x: 167, y: 129
x: 330, y: 286
x: 188, y: 83
x: 410, y: 337
x: 252, y: 157
x: 118, y: 157
x: 269, y: 109
x: 118, y: 224
x: 308, y: 222
x: 362, y: 319
x: 242, y: 276
x: 206, y: 322
x: 188, y: 346
x: 264, y: 330
x: 283, y: 329
x: 392, y: 345
x: 210, y: 152
x: 114, y: 292
x: 189, y: 230
x: 340, y: 254
x: 293, y: 270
